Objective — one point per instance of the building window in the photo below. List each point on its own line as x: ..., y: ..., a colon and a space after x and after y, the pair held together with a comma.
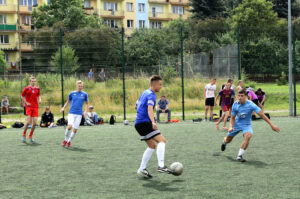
x: 141, y: 7
x: 23, y: 2
x: 129, y: 23
x: 4, y: 39
x: 110, y: 6
x: 156, y: 24
x: 2, y: 19
x: 27, y: 20
x: 129, y: 7
x: 178, y: 10
x: 6, y: 57
x: 87, y: 4
x: 111, y: 23
x: 2, y: 2
x: 142, y: 23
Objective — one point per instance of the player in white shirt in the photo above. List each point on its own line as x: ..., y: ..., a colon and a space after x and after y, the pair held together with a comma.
x: 209, y: 97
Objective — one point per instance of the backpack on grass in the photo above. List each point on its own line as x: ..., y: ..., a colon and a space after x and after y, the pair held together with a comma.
x: 112, y: 120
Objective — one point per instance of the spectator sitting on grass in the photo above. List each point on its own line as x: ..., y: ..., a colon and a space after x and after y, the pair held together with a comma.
x: 4, y: 104
x: 47, y: 118
x: 163, y: 107
x: 91, y: 117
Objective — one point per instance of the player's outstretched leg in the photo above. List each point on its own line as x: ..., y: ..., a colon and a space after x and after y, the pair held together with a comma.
x: 28, y: 122
x: 34, y: 121
x: 67, y: 134
x: 71, y: 137
x: 142, y: 171
x: 247, y: 137
x: 160, y: 152
x: 227, y: 140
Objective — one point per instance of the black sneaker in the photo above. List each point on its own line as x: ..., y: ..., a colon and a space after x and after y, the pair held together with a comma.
x: 144, y: 173
x: 164, y: 170
x: 223, y: 146
x: 240, y: 159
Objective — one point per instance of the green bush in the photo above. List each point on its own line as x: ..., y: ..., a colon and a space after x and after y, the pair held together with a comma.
x: 282, y: 80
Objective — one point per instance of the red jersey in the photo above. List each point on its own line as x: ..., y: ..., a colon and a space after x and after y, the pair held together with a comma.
x: 31, y: 95
x: 226, y: 96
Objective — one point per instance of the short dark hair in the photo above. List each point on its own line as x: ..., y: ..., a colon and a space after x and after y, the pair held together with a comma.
x: 163, y: 96
x: 243, y: 91
x: 214, y: 79
x: 155, y: 78
x: 229, y: 80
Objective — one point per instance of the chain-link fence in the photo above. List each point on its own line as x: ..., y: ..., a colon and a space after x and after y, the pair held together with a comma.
x: 103, y: 57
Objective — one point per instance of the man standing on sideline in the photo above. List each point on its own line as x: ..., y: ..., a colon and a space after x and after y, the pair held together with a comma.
x: 209, y: 97
x: 77, y: 99
x: 163, y: 107
x: 31, y: 98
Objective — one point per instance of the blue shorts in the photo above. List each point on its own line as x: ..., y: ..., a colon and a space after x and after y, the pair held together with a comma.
x: 244, y: 129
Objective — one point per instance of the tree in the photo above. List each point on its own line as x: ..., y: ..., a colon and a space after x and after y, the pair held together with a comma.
x: 281, y: 8
x: 203, y: 9
x: 254, y: 18
x: 3, y: 65
x: 69, y: 13
x: 70, y: 60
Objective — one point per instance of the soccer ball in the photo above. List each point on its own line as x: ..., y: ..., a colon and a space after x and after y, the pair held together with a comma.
x: 126, y: 122
x: 177, y: 168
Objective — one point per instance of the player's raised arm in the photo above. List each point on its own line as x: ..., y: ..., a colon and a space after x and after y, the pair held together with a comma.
x: 263, y: 116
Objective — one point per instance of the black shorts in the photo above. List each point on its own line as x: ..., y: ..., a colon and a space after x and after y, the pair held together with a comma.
x: 210, y: 101
x: 255, y: 101
x: 146, y: 130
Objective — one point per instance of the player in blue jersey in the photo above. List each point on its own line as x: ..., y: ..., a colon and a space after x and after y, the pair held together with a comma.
x: 77, y: 99
x: 145, y: 125
x: 241, y: 122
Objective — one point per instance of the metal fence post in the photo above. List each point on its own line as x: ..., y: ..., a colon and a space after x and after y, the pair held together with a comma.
x: 182, y: 70
x: 294, y: 71
x: 123, y: 69
x: 239, y: 51
x: 61, y: 69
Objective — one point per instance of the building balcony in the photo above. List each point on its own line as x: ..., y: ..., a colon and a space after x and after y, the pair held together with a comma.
x: 26, y: 9
x: 8, y: 8
x: 112, y: 14
x: 90, y: 11
x: 8, y: 27
x: 159, y: 1
x: 25, y: 47
x: 9, y: 47
x: 180, y: 2
x: 159, y: 16
x: 177, y: 16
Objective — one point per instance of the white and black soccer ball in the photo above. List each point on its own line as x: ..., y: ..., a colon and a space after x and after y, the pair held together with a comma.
x: 176, y: 168
x: 126, y: 122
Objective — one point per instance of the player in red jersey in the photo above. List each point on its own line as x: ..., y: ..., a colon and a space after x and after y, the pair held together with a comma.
x: 226, y: 100
x: 31, y: 97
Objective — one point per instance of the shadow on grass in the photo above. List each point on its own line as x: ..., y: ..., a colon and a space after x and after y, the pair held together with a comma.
x: 255, y: 163
x: 78, y: 149
x: 31, y: 144
x: 159, y: 186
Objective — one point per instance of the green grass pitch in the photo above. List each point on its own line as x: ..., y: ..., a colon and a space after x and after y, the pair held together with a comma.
x: 103, y: 161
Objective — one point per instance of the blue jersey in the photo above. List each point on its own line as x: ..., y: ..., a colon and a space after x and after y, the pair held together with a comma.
x: 77, y: 100
x: 147, y: 98
x: 243, y: 113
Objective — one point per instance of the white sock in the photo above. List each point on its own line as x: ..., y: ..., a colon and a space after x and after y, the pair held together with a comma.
x: 71, y: 137
x: 146, y: 157
x: 67, y: 133
x: 160, y: 152
x: 241, y: 152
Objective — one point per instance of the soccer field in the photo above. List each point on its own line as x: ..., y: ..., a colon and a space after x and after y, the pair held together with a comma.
x: 103, y: 161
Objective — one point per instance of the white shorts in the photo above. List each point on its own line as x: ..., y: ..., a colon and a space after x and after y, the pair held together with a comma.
x: 74, y: 120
